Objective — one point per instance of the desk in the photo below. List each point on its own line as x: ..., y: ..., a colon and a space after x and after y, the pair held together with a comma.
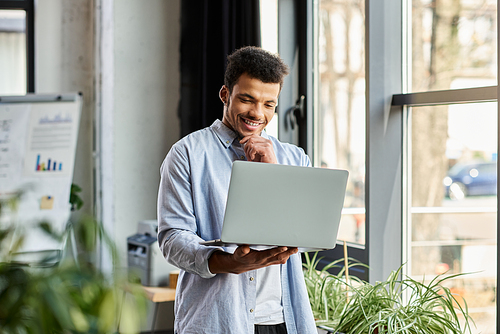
x: 158, y: 295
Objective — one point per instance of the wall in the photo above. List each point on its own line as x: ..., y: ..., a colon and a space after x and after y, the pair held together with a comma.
x: 146, y: 94
x: 64, y: 61
x: 139, y: 51
x: 144, y: 91
x: 124, y: 57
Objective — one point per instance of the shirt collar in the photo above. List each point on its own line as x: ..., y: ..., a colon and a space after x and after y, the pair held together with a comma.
x: 226, y: 135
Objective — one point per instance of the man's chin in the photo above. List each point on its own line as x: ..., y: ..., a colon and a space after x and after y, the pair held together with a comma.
x: 242, y: 135
x: 246, y: 133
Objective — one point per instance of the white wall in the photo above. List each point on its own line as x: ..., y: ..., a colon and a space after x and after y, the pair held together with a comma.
x: 124, y: 57
x: 64, y: 61
x: 146, y: 95
x: 146, y: 92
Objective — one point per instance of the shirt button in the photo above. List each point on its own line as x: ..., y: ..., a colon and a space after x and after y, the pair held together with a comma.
x: 242, y: 157
x: 251, y: 279
x: 251, y: 310
x: 227, y: 141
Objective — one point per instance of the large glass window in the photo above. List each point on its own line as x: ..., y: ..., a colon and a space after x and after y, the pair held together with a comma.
x: 340, y: 112
x: 17, y: 47
x: 269, y: 42
x: 453, y: 212
x: 452, y: 151
x: 454, y: 44
x: 13, y: 52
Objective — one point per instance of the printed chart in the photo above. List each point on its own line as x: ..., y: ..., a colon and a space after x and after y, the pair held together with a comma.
x: 37, y: 153
x: 50, y: 165
x: 51, y: 142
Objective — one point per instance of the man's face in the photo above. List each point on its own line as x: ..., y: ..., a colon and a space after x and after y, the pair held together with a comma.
x: 250, y: 106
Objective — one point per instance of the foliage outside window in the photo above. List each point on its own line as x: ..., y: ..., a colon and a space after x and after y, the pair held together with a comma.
x: 452, y: 221
x: 340, y: 115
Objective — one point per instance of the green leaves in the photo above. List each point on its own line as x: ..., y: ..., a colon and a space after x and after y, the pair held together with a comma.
x: 74, y: 199
x: 69, y: 296
x: 399, y: 305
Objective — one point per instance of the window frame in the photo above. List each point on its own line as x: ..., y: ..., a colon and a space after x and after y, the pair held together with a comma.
x: 404, y: 101
x: 433, y: 98
x: 386, y: 117
x: 29, y: 7
x: 298, y: 45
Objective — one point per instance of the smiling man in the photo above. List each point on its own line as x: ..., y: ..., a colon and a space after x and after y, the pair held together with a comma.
x: 220, y: 289
x: 248, y: 107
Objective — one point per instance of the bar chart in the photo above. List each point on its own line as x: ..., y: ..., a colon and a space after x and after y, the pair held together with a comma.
x: 48, y: 165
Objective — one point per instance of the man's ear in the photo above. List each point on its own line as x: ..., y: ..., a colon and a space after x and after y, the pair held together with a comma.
x: 224, y: 94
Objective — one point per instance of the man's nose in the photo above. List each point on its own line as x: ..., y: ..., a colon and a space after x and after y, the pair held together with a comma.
x: 257, y: 111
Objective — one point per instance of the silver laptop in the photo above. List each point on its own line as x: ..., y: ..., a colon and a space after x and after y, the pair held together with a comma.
x: 279, y: 205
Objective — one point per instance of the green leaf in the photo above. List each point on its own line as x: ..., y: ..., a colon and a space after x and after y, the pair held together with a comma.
x: 359, y: 307
x: 72, y: 297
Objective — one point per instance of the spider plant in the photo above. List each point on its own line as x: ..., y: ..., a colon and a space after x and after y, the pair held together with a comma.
x: 328, y: 294
x: 399, y: 304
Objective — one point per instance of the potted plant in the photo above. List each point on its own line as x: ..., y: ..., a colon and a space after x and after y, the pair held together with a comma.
x: 399, y: 304
x: 69, y: 294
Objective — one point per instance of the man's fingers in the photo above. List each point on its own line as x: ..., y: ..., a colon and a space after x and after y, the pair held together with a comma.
x: 258, y: 149
x: 245, y: 139
x: 250, y: 150
x: 249, y: 153
x: 285, y: 254
x: 282, y: 256
x: 249, y: 259
x: 242, y: 251
x: 278, y: 250
x: 276, y: 254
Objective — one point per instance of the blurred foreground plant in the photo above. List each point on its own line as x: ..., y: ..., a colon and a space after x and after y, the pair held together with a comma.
x: 399, y: 304
x: 68, y: 294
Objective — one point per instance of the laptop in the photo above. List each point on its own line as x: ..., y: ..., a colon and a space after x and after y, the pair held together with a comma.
x: 271, y: 205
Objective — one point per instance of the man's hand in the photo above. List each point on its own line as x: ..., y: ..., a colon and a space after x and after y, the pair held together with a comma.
x: 258, y: 149
x: 245, y: 259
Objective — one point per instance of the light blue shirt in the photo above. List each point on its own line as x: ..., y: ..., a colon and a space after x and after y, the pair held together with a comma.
x: 191, y: 203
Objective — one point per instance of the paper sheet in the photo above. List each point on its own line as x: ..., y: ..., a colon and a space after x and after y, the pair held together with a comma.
x: 37, y: 153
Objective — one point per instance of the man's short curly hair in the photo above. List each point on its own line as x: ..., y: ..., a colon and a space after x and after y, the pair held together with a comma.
x: 256, y: 63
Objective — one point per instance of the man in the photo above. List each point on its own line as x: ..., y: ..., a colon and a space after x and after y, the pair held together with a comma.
x: 228, y: 290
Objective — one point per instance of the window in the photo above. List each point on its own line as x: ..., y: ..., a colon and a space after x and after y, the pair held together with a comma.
x: 322, y: 105
x: 453, y: 203
x: 339, y: 113
x: 269, y: 40
x: 339, y: 131
x: 425, y: 72
x: 451, y: 153
x: 16, y: 47
x: 454, y: 44
x: 443, y: 55
x: 13, y: 52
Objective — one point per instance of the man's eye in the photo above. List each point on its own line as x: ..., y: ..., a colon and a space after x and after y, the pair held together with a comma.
x: 271, y: 106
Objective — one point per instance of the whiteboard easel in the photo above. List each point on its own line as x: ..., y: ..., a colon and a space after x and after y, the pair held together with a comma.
x: 38, y: 135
